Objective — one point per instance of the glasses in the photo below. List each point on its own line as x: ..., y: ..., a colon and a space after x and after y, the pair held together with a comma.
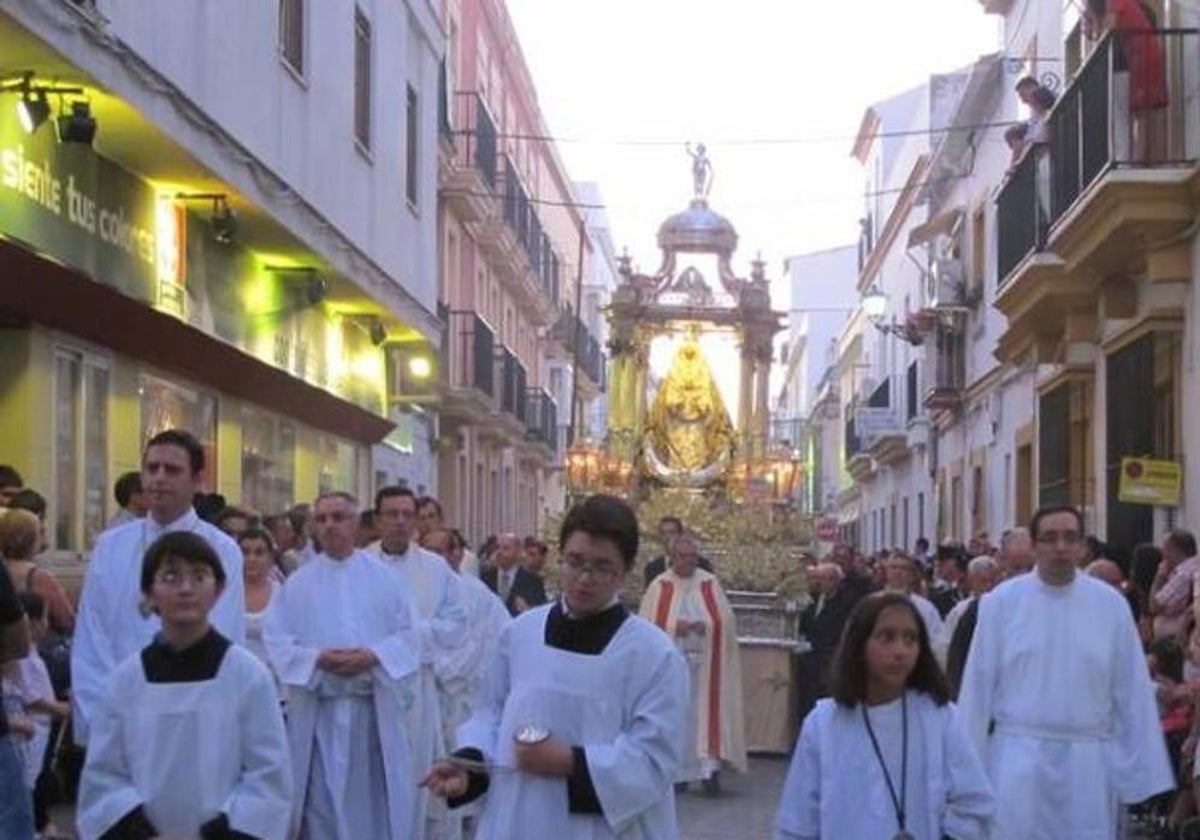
x: 599, y: 571
x: 176, y: 578
x: 1052, y: 538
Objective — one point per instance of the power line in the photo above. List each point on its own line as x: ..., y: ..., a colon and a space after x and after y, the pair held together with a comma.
x: 816, y: 200
x: 753, y: 141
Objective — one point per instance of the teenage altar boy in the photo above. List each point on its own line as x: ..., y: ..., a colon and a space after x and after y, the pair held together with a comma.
x: 579, y: 726
x: 188, y: 739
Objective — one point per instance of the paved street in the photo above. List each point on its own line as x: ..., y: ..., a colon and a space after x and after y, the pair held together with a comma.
x: 744, y: 810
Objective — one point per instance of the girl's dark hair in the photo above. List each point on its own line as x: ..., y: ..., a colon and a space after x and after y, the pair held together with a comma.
x: 182, y: 545
x: 1170, y: 658
x: 33, y: 604
x: 848, y: 672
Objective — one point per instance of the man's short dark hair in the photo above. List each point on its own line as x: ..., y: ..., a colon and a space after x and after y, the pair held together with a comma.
x: 922, y: 544
x: 9, y: 477
x: 1026, y: 81
x: 29, y: 499
x: 429, y: 501
x: 1049, y: 510
x: 186, y: 441
x: 233, y: 512
x: 672, y: 520
x: 126, y: 486
x: 607, y: 517
x: 394, y: 491
x: 1182, y: 539
x: 183, y: 545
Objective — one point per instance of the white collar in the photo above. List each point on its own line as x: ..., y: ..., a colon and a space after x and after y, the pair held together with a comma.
x: 189, y: 521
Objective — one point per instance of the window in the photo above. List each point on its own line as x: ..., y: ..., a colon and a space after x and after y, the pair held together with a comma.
x: 81, y: 485
x: 338, y: 465
x: 362, y: 79
x: 268, y: 461
x: 167, y: 405
x: 411, y: 169
x: 291, y: 33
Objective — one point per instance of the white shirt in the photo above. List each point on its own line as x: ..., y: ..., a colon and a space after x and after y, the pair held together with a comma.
x: 112, y: 624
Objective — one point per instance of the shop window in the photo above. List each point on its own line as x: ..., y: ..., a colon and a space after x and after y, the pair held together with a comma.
x: 339, y: 465
x: 171, y: 405
x: 268, y: 462
x: 81, y: 486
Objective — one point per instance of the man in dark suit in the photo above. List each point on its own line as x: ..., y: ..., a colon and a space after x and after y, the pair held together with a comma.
x: 821, y: 624
x: 669, y: 528
x: 951, y: 570
x: 519, y: 589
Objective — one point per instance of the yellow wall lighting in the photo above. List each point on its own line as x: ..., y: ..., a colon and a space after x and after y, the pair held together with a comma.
x: 420, y: 367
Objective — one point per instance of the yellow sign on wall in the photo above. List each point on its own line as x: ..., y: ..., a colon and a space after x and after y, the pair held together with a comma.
x: 1148, y: 481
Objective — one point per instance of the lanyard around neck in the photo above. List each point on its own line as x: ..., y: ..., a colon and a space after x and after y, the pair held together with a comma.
x: 898, y: 802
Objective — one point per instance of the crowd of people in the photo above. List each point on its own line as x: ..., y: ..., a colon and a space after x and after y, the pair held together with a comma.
x: 333, y: 672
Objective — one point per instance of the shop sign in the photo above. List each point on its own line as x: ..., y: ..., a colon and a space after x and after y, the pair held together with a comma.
x: 1149, y: 481
x: 65, y: 201
x: 876, y: 422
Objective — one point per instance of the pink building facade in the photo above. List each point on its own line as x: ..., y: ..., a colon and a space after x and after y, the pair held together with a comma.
x: 511, y: 245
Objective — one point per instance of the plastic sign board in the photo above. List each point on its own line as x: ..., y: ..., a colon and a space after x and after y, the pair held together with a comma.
x: 827, y: 530
x: 876, y: 422
x: 1149, y: 481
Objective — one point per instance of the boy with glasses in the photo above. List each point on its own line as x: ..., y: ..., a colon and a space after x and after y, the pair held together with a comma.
x: 187, y: 739
x: 581, y: 719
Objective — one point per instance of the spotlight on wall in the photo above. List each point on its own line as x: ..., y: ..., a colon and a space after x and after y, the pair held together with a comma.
x: 223, y: 221
x: 316, y: 287
x: 33, y: 108
x: 79, y: 126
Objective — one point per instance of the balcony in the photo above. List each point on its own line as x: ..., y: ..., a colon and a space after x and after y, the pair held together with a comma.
x: 573, y: 336
x: 469, y: 377
x: 541, y: 419
x: 523, y: 251
x: 1103, y: 201
x: 858, y: 460
x: 945, y: 369
x: 878, y: 426
x: 469, y: 186
x: 511, y: 388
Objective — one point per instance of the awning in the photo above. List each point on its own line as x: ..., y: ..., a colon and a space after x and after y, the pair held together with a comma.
x: 942, y: 224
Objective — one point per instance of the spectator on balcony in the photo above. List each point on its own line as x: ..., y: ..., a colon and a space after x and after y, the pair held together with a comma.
x: 1015, y: 136
x: 1139, y: 83
x: 1039, y: 99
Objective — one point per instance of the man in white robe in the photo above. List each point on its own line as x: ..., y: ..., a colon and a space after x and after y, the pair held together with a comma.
x: 1058, y: 699
x: 447, y: 652
x: 581, y: 721
x: 112, y: 621
x: 690, y: 606
x: 901, y: 574
x: 342, y: 639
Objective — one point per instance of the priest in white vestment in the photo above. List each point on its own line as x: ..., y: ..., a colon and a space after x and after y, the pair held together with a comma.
x: 901, y: 574
x: 690, y: 606
x: 1058, y: 698
x: 581, y: 721
x: 448, y: 654
x: 112, y: 622
x: 343, y: 641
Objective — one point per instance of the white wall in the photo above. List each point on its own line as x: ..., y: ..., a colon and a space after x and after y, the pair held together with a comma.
x: 223, y: 55
x: 822, y: 288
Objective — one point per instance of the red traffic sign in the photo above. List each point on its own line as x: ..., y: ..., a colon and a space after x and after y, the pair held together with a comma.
x: 828, y: 530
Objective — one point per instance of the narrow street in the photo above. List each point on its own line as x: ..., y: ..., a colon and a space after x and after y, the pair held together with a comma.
x: 744, y: 809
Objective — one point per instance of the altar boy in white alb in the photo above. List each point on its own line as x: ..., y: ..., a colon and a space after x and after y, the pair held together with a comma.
x: 188, y: 738
x: 581, y: 721
x: 342, y: 639
x: 1058, y: 699
x: 113, y: 622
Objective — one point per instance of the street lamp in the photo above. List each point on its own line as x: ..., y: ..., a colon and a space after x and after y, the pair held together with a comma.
x: 875, y: 305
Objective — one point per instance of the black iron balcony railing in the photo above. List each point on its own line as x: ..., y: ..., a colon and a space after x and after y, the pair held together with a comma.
x: 477, y: 135
x: 445, y: 130
x: 511, y: 386
x: 541, y: 418
x: 911, y: 398
x: 1132, y: 105
x: 521, y: 217
x: 1021, y: 212
x: 471, y: 344
x: 852, y: 445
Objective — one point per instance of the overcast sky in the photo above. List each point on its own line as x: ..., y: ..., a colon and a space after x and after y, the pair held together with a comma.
x: 734, y: 75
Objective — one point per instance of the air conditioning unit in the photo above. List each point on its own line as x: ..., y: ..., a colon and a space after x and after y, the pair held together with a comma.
x: 946, y: 284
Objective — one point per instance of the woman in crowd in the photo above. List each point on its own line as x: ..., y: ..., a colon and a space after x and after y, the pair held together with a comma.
x: 20, y: 536
x: 261, y: 561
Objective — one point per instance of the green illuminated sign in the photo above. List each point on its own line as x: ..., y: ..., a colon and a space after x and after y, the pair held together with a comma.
x: 65, y: 201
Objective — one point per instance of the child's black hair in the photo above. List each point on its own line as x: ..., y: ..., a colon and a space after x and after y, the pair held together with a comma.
x: 183, y: 545
x: 848, y: 672
x: 1169, y: 655
x: 604, y: 516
